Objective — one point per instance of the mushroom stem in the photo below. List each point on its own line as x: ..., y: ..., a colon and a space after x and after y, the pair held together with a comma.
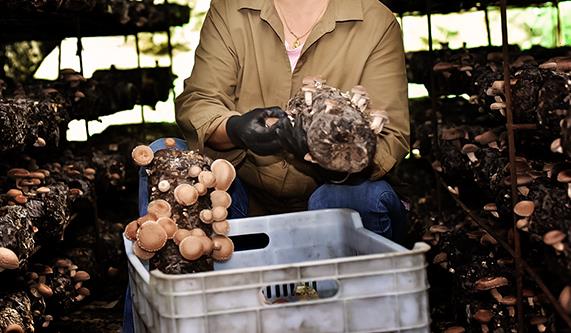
x: 496, y: 294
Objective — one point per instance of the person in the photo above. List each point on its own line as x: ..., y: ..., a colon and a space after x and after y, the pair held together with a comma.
x: 252, y: 58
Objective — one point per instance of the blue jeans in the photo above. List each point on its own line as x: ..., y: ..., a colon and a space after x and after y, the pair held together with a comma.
x: 379, y: 206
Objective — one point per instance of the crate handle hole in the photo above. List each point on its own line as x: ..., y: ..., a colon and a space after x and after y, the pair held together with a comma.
x: 250, y: 241
x: 298, y: 292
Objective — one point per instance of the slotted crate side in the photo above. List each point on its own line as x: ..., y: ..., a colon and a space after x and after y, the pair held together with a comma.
x: 392, y: 284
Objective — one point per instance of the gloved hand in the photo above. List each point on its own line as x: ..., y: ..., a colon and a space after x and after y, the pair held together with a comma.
x: 249, y: 131
x: 292, y: 137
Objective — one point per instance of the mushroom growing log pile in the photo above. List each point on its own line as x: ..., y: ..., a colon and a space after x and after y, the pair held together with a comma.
x: 341, y: 129
x: 185, y: 226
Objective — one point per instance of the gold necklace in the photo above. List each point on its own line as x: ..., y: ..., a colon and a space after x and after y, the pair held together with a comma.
x: 298, y: 38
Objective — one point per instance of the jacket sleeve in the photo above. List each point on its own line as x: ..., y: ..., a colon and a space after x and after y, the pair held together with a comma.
x: 209, y: 92
x: 384, y: 76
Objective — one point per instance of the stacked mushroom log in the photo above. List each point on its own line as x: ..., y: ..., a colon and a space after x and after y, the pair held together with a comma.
x: 185, y: 226
x: 472, y: 156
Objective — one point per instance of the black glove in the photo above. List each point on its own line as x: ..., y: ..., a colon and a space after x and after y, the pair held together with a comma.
x: 292, y: 138
x: 249, y: 131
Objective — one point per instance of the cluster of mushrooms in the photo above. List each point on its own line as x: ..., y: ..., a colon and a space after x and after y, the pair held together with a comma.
x: 340, y: 127
x: 152, y: 231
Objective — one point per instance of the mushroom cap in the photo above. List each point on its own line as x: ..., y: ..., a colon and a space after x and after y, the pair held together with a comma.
x: 169, y: 225
x: 164, y: 185
x: 185, y: 194
x: 205, y: 216
x: 142, y: 155
x: 455, y: 329
x: 537, y: 320
x: 159, y: 207
x: 207, y: 178
x: 219, y: 213
x: 170, y: 142
x: 146, y: 217
x: 37, y: 174
x: 81, y: 276
x: 181, y: 234
x: 194, y: 171
x: 221, y: 227
x: 556, y: 145
x: 508, y: 300
x: 440, y: 258
x: 483, y: 315
x: 469, y: 148
x: 8, y: 259
x: 553, y: 237
x: 14, y: 192
x: 207, y: 244
x: 486, y: 137
x: 565, y: 299
x: 564, y: 176
x: 524, y: 208
x: 44, y: 290
x: 131, y: 230
x: 490, y: 207
x: 200, y: 188
x: 223, y: 248
x: 522, y: 223
x: 17, y: 172
x: 43, y: 189
x: 488, y: 283
x: 220, y: 198
x: 197, y: 232
x: 151, y: 237
x: 438, y: 228
x: 14, y: 328
x: 224, y: 173
x: 191, y: 248
x: 140, y: 253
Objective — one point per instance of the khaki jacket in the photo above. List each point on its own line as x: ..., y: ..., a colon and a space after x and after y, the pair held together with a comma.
x: 241, y: 64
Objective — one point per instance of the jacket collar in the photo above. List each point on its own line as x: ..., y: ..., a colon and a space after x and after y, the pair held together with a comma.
x: 344, y: 10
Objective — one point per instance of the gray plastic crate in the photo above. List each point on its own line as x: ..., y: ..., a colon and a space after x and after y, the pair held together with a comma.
x: 364, y: 282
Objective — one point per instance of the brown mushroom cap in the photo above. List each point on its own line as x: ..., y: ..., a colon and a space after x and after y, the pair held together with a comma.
x: 200, y: 188
x: 44, y: 290
x: 17, y: 173
x: 564, y: 176
x: 486, y: 137
x: 207, y: 178
x: 219, y: 213
x: 169, y: 225
x: 159, y: 207
x: 131, y: 231
x: 488, y: 283
x: 470, y: 148
x: 142, y: 254
x: 81, y: 276
x: 185, y: 194
x: 8, y: 259
x: 440, y: 258
x: 14, y: 328
x: 522, y: 223
x: 221, y: 198
x: 565, y: 299
x: 142, y: 155
x: 13, y: 192
x: 197, y: 232
x: 205, y: 216
x: 221, y: 227
x: 145, y: 218
x: 170, y: 142
x: 181, y: 234
x: 483, y: 316
x: 524, y: 208
x: 223, y: 248
x: 553, y: 237
x: 151, y: 237
x: 455, y: 329
x: 43, y: 189
x: 438, y: 228
x: 194, y: 171
x: 490, y: 207
x: 191, y: 248
x: 224, y: 173
x: 508, y: 300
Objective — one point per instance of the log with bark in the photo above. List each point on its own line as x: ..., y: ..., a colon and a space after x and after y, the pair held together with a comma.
x: 16, y: 313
